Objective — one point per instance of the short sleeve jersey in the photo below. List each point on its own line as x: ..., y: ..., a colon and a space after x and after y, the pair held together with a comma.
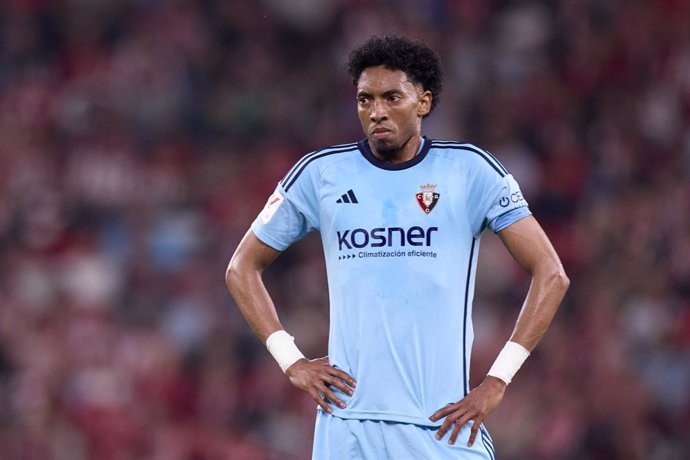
x: 400, y: 242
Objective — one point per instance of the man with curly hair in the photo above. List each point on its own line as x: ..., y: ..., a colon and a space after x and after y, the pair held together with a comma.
x: 400, y: 217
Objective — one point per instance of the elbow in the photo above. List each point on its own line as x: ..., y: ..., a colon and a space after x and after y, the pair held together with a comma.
x: 232, y: 275
x: 560, y: 280
x: 553, y: 277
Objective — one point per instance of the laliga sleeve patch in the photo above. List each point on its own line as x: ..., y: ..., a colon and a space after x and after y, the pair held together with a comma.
x: 272, y: 205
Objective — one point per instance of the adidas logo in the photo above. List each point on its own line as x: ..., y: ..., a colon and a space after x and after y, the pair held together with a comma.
x: 348, y: 197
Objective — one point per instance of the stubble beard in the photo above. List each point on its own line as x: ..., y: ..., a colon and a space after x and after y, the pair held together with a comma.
x: 388, y: 150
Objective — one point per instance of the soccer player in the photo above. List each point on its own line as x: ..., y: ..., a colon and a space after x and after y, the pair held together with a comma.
x: 400, y: 217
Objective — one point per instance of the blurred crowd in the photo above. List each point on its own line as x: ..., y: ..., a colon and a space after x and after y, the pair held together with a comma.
x: 140, y: 138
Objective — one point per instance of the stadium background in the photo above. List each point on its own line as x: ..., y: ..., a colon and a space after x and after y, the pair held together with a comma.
x: 138, y: 139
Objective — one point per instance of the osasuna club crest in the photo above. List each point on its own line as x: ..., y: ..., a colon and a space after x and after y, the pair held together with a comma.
x: 427, y: 198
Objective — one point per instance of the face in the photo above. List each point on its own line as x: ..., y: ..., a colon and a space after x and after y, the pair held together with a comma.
x: 390, y: 109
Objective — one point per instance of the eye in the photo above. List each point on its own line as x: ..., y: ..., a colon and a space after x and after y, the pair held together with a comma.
x: 394, y: 97
x: 362, y: 100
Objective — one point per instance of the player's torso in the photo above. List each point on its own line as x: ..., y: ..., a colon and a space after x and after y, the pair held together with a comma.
x: 398, y: 246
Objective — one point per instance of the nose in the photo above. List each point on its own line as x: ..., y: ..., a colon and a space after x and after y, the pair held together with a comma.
x: 378, y: 111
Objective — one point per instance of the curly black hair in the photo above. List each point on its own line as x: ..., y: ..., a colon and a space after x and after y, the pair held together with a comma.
x: 419, y: 62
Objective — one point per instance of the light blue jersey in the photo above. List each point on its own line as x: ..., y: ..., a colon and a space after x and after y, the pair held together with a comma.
x: 400, y: 242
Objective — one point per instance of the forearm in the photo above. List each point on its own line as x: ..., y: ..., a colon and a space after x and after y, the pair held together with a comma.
x: 253, y: 301
x: 547, y: 289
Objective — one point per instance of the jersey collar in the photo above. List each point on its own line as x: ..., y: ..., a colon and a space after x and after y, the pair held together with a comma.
x: 366, y: 152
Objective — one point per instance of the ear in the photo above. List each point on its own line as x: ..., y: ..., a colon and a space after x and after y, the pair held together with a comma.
x: 424, y: 102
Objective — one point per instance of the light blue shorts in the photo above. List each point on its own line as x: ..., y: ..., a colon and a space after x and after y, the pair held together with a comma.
x: 350, y: 439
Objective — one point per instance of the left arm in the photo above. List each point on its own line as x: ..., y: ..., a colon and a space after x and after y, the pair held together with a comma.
x: 531, y: 248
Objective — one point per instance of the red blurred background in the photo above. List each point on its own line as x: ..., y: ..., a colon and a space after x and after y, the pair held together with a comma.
x: 139, y: 139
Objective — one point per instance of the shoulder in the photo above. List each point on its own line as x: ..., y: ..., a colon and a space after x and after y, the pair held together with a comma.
x: 468, y: 153
x: 317, y: 160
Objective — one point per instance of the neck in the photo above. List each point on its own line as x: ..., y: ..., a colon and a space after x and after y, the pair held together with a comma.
x: 404, y: 153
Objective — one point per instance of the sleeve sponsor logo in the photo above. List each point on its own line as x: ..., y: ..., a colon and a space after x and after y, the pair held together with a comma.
x: 515, y: 197
x: 272, y: 205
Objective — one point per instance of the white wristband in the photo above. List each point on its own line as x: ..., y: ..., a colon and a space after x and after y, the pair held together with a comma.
x: 508, y: 361
x: 282, y: 346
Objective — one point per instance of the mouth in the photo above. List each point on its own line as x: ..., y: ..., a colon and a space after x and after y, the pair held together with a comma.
x: 380, y: 133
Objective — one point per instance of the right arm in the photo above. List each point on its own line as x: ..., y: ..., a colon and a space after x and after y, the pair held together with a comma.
x: 245, y: 283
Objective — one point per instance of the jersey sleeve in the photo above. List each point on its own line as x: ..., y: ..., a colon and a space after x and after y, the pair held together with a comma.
x: 496, y: 200
x: 290, y: 212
